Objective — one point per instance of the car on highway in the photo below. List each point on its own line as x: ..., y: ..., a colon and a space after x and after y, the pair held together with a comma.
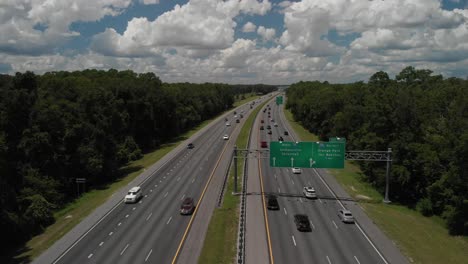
x: 237, y: 121
x: 309, y: 192
x: 296, y: 170
x: 272, y: 120
x: 228, y: 124
x: 263, y: 144
x: 276, y: 124
x: 280, y: 138
x: 226, y: 137
x: 346, y: 216
x: 302, y: 222
x: 190, y: 145
x: 187, y: 207
x: 286, y: 133
x: 268, y: 127
x: 133, y: 195
x: 262, y: 128
x: 262, y: 121
x: 272, y: 202
x: 269, y: 132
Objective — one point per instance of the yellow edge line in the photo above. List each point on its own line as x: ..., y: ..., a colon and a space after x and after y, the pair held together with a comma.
x: 272, y: 261
x: 196, y: 208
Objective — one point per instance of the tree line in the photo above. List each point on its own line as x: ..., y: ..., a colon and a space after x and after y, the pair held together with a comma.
x: 421, y: 116
x: 60, y: 126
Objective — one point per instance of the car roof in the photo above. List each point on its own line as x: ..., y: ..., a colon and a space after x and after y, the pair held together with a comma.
x: 135, y: 189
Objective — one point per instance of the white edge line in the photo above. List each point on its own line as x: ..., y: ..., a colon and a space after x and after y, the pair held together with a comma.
x: 90, y: 255
x: 328, y: 260
x: 168, y: 221
x: 294, y: 240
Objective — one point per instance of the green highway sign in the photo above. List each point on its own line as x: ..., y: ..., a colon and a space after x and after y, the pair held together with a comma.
x: 291, y: 154
x: 279, y: 100
x: 308, y: 154
x: 329, y: 154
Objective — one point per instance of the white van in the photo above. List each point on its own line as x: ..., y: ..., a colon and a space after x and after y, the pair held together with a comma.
x: 133, y: 195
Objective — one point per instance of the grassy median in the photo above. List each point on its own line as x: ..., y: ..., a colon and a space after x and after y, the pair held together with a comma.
x: 221, y: 239
x: 75, y: 212
x: 421, y: 239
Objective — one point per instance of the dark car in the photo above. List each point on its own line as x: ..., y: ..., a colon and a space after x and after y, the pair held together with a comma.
x: 302, y: 222
x: 261, y: 128
x: 268, y: 127
x: 269, y: 132
x: 187, y: 206
x: 286, y: 133
x: 190, y: 146
x: 272, y: 203
x: 241, y: 115
x: 261, y: 121
x: 237, y: 121
x: 280, y: 138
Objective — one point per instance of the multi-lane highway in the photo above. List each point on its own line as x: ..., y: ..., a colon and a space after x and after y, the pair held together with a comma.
x: 153, y: 230
x: 331, y: 241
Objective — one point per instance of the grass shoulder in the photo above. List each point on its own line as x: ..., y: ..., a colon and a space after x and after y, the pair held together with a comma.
x: 422, y: 239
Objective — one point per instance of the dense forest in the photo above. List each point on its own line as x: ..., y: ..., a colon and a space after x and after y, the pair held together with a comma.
x: 60, y: 126
x: 421, y: 116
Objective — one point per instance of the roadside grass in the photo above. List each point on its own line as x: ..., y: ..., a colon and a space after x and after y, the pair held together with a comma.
x: 76, y: 211
x: 221, y: 238
x: 421, y: 239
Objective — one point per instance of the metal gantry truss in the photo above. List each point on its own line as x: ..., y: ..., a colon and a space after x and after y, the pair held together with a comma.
x: 361, y: 155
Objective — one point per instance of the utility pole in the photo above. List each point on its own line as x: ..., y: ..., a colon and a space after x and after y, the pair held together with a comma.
x: 387, y: 175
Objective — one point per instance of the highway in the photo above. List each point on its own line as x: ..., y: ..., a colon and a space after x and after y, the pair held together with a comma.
x: 151, y: 230
x: 331, y: 241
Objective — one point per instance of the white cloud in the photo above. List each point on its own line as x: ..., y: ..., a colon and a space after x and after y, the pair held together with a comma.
x: 199, y: 24
x: 266, y: 33
x: 249, y: 27
x: 35, y: 27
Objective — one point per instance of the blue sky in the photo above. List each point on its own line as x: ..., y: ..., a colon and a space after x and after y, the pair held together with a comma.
x: 236, y: 41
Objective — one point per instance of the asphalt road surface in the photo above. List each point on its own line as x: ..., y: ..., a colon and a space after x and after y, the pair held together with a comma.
x: 151, y: 230
x: 331, y: 240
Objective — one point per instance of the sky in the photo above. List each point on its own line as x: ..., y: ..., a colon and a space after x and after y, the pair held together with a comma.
x: 236, y: 41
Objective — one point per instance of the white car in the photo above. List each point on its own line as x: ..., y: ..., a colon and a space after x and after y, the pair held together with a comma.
x: 309, y: 192
x: 276, y: 124
x: 346, y: 216
x: 226, y: 137
x: 133, y: 195
x: 228, y: 124
x: 296, y: 170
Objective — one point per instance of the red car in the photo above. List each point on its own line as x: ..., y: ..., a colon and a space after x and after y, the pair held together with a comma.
x: 263, y: 144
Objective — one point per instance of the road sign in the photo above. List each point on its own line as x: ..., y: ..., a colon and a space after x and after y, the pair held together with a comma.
x: 291, y: 154
x: 329, y: 154
x: 279, y: 100
x: 307, y: 154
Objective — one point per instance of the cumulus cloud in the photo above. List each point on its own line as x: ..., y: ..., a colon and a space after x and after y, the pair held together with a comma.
x: 187, y: 26
x: 35, y: 27
x: 249, y: 27
x: 266, y: 33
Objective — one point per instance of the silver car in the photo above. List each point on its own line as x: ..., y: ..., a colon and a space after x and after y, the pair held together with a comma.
x: 346, y: 216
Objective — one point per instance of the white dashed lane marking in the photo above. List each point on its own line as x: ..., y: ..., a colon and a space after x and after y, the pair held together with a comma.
x: 121, y: 253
